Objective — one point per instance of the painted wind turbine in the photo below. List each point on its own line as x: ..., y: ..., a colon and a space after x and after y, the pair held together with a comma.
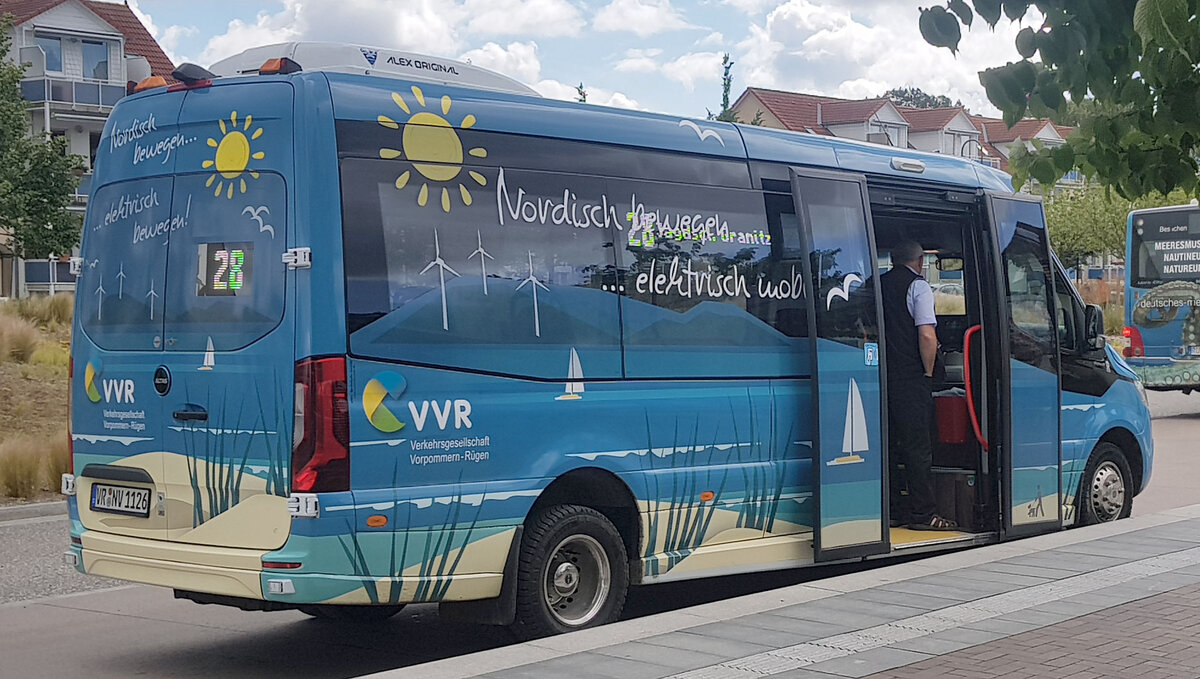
x: 537, y: 323
x: 153, y: 296
x: 121, y: 282
x: 854, y: 436
x: 100, y: 299
x: 482, y: 261
x: 442, y: 269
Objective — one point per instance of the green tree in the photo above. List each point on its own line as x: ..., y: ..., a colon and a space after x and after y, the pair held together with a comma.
x: 37, y: 177
x: 915, y: 97
x: 1090, y: 221
x: 1138, y: 61
x: 726, y: 115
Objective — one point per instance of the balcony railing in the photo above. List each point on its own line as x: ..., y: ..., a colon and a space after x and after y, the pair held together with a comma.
x: 71, y: 91
x: 84, y: 189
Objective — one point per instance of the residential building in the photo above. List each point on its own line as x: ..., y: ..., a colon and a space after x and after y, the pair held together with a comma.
x: 950, y: 130
x: 81, y: 56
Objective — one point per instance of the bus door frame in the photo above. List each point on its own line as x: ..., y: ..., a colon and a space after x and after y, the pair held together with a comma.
x: 998, y: 385
x: 836, y: 398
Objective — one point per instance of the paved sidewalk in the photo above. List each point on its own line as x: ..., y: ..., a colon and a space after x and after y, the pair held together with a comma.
x: 1115, y: 600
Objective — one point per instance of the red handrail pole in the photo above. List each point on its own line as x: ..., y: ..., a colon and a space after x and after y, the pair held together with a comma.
x: 967, y: 378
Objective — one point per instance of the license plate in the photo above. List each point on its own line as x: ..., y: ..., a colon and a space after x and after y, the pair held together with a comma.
x: 1193, y: 351
x: 121, y: 500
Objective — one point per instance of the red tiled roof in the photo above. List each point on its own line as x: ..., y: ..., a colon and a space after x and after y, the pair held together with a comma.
x: 138, y: 40
x: 799, y: 112
x: 997, y: 131
x: 835, y: 111
x: 929, y: 119
x: 795, y: 111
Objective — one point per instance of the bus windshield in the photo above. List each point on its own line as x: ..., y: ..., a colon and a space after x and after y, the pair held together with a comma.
x: 1165, y: 246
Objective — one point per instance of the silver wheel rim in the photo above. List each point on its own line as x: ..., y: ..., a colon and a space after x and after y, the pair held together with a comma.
x: 1107, y: 492
x: 576, y: 580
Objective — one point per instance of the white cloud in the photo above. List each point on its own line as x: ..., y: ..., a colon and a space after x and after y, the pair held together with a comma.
x: 595, y: 95
x: 266, y: 29
x: 167, y: 38
x: 435, y: 27
x: 643, y: 18
x: 639, y: 61
x: 540, y: 18
x: 823, y: 47
x: 519, y: 60
x: 695, y: 67
x: 750, y: 7
x: 714, y: 39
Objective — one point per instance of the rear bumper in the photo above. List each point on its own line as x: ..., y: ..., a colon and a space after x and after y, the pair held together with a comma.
x: 214, y: 570
x: 238, y: 573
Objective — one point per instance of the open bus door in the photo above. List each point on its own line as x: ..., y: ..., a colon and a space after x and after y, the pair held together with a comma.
x: 844, y: 313
x: 1023, y: 304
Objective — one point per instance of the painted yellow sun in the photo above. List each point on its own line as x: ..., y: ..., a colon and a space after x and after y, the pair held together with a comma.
x: 233, y: 154
x: 430, y: 143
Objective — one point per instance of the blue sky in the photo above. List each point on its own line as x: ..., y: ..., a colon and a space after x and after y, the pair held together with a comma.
x: 659, y: 55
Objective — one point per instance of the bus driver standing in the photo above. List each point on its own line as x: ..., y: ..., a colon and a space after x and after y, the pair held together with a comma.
x: 909, y: 323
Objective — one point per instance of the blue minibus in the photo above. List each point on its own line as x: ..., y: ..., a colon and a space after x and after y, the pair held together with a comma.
x: 1162, y: 294
x: 358, y: 328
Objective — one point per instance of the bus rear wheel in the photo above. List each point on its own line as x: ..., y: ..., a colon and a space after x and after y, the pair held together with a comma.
x: 1105, y: 493
x: 572, y: 573
x: 351, y: 614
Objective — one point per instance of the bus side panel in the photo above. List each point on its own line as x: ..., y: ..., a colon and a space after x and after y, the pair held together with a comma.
x: 1087, y: 416
x: 437, y: 501
x: 320, y: 291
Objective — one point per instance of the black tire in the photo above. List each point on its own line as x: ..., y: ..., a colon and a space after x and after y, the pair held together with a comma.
x: 567, y: 551
x: 352, y: 614
x: 1105, y: 490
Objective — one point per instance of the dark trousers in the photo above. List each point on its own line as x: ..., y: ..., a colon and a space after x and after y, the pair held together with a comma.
x: 910, y: 414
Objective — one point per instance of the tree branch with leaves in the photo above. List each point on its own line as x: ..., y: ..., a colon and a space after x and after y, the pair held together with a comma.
x: 1138, y: 61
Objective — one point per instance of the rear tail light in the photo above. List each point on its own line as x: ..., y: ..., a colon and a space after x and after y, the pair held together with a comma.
x: 321, y: 450
x: 1135, y: 347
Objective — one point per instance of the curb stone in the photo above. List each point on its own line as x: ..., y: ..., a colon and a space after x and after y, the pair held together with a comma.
x: 33, y: 510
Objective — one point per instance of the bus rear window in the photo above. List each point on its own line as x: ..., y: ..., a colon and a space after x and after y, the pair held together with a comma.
x: 216, y: 289
x: 122, y: 286
x: 1165, y: 246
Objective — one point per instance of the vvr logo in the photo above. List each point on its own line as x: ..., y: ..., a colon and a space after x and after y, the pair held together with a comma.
x: 120, y: 391
x: 386, y: 386
x: 90, y: 373
x: 380, y: 398
x: 441, y: 413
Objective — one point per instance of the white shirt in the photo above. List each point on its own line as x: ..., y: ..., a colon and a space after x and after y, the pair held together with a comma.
x: 920, y: 301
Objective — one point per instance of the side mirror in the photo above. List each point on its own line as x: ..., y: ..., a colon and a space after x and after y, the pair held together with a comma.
x: 950, y: 263
x: 1093, y: 325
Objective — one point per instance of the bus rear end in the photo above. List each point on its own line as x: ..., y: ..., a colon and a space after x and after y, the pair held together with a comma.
x: 1162, y: 326
x: 183, y: 357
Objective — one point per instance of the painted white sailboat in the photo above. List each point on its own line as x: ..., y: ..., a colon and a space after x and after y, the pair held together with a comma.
x: 854, y: 436
x: 574, y: 379
x: 210, y: 357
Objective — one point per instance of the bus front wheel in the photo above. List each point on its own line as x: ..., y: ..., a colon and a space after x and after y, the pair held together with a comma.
x: 1105, y: 493
x: 572, y: 572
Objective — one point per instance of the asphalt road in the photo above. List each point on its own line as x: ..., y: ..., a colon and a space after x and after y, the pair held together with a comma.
x: 55, y: 622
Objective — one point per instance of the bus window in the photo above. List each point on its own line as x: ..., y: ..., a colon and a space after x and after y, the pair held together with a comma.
x: 709, y: 292
x: 474, y: 282
x: 121, y: 289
